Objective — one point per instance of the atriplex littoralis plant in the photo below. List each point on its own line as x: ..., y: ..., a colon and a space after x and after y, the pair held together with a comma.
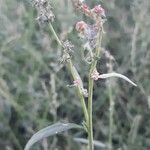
x: 93, y: 35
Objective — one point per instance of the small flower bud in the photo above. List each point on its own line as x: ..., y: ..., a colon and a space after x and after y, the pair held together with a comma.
x: 81, y: 26
x: 98, y: 10
x: 76, y: 82
x: 85, y: 8
x: 95, y: 75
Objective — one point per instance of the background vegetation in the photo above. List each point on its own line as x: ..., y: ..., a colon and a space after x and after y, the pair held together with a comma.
x: 33, y: 84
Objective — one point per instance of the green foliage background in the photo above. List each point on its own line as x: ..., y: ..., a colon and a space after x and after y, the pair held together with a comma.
x: 33, y: 84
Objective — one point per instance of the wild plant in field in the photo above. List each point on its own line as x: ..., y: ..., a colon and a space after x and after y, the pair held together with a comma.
x: 92, y: 35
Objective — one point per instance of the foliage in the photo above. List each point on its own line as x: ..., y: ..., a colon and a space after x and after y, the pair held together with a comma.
x: 33, y: 84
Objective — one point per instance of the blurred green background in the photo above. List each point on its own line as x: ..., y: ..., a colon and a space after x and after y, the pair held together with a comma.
x: 33, y: 84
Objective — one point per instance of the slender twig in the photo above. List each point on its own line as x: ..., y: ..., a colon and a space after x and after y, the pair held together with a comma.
x: 90, y: 90
x: 54, y: 33
x: 71, y: 69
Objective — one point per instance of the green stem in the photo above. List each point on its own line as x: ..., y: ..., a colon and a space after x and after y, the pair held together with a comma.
x: 79, y: 91
x: 55, y: 35
x: 90, y: 124
x: 111, y: 112
x: 90, y: 91
x: 71, y: 69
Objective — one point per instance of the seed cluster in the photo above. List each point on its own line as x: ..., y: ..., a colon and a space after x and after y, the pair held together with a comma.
x: 44, y: 11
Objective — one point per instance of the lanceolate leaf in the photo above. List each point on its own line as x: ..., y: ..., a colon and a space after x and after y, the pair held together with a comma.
x: 85, y: 141
x: 49, y: 131
x: 114, y: 74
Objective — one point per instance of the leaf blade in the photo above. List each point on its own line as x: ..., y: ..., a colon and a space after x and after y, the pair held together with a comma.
x: 49, y: 131
x: 114, y: 74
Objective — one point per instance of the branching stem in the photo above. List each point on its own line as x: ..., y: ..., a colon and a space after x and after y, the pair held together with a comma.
x: 90, y: 90
x: 111, y: 112
x: 71, y: 69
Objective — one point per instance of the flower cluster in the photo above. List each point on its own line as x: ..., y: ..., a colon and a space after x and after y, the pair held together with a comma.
x: 85, y: 9
x: 78, y: 82
x: 81, y: 26
x: 44, y: 11
x: 95, y: 75
x: 94, y: 13
x: 86, y: 31
x: 98, y: 10
x: 68, y: 46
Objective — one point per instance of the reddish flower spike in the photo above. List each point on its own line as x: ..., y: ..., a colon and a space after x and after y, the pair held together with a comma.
x: 98, y: 9
x: 81, y: 26
x: 85, y: 8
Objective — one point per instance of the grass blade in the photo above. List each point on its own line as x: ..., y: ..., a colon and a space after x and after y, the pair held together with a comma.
x: 114, y: 74
x: 49, y: 131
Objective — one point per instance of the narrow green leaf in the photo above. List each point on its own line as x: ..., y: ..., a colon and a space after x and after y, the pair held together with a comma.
x: 114, y: 74
x: 49, y: 131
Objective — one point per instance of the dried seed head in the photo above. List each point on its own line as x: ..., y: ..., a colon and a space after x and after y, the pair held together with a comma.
x: 44, y: 11
x: 81, y: 26
x: 67, y: 45
x: 65, y: 58
x: 90, y: 35
x: 38, y: 3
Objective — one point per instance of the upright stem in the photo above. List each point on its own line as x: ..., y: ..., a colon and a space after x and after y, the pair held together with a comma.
x: 70, y: 66
x: 54, y: 33
x: 90, y: 124
x: 71, y: 69
x: 111, y: 112
x: 90, y: 91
